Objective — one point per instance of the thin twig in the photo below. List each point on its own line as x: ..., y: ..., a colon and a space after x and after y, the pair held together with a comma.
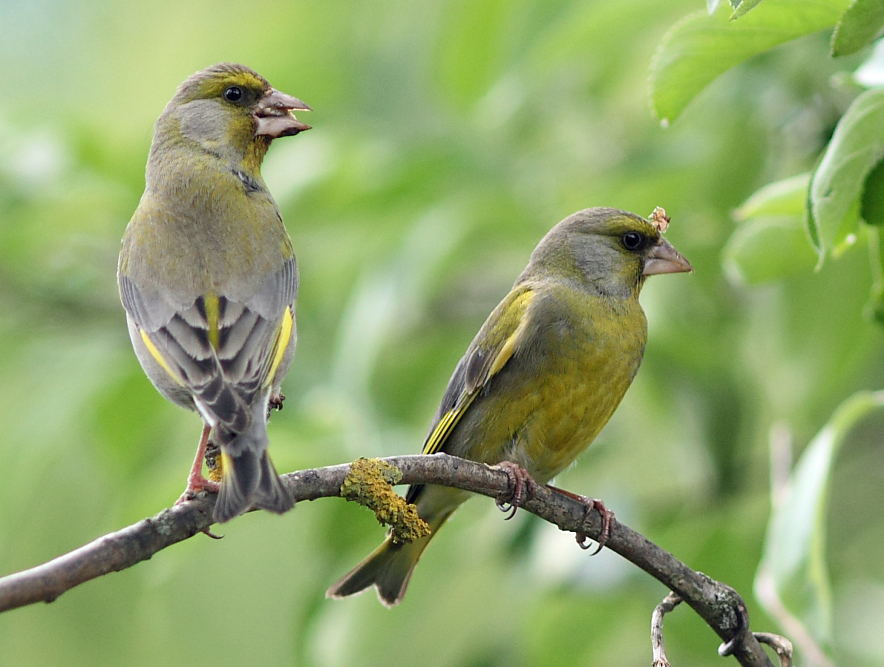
x: 778, y: 643
x: 716, y: 603
x: 669, y: 603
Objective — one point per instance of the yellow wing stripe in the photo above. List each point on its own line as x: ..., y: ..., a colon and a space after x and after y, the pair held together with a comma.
x: 509, y: 345
x: 155, y: 353
x: 446, y: 425
x: 450, y: 419
x: 283, y: 335
x: 210, y: 303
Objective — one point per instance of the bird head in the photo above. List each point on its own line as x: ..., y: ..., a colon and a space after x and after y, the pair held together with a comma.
x: 230, y: 111
x: 608, y: 250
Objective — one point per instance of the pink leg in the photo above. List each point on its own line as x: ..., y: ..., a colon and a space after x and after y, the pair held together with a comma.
x: 522, y: 484
x: 590, y: 504
x: 195, y: 480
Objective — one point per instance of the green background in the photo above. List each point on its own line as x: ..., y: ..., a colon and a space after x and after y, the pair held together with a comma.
x: 448, y: 137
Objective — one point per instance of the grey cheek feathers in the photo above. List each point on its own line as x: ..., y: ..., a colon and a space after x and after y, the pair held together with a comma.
x: 199, y: 120
x: 203, y: 122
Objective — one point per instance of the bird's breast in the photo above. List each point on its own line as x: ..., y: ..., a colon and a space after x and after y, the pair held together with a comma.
x: 551, y: 400
x: 199, y: 230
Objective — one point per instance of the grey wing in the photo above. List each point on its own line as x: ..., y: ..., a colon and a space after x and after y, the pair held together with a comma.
x: 218, y: 349
x: 256, y: 337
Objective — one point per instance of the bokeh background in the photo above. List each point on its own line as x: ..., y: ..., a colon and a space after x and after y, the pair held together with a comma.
x: 449, y: 137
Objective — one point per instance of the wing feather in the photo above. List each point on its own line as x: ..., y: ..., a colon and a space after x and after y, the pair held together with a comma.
x: 489, y: 352
x: 223, y: 352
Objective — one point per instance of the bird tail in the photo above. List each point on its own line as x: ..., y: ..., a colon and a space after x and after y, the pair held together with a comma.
x: 388, y: 568
x: 249, y: 477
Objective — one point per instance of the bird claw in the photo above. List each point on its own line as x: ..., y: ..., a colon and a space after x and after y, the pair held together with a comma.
x: 590, y: 504
x: 523, y: 487
x: 275, y: 403
x: 195, y: 484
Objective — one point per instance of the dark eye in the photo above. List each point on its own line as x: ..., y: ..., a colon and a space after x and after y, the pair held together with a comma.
x: 233, y: 94
x: 632, y: 240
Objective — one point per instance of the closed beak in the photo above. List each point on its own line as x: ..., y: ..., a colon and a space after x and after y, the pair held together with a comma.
x: 663, y: 258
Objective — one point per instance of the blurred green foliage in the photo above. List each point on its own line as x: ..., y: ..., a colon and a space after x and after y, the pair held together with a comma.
x: 449, y: 136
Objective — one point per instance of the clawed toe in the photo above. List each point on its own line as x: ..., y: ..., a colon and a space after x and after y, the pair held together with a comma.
x: 275, y: 403
x: 522, y: 487
x: 194, y: 486
x: 589, y: 505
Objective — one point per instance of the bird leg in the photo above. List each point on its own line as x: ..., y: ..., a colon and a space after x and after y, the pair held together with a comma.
x: 590, y: 504
x: 522, y: 484
x: 195, y: 480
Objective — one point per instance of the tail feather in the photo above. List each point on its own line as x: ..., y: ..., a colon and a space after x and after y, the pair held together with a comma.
x: 250, y: 479
x: 388, y: 568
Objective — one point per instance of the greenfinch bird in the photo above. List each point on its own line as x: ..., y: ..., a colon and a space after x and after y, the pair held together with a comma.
x: 208, y: 277
x: 545, y: 372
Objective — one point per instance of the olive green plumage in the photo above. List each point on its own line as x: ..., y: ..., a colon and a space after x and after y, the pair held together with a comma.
x: 543, y: 375
x: 208, y: 276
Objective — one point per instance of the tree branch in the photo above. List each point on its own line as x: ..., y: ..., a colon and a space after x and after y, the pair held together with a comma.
x: 716, y: 603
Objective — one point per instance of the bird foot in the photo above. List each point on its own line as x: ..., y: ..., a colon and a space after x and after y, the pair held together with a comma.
x: 195, y: 484
x: 590, y: 504
x: 522, y: 487
x: 275, y: 403
x: 195, y: 480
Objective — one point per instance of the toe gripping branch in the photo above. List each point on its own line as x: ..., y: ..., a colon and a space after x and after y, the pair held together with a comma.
x: 590, y: 504
x: 521, y: 488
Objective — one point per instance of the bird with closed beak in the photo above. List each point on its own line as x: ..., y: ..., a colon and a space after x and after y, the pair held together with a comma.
x: 543, y: 375
x: 208, y: 277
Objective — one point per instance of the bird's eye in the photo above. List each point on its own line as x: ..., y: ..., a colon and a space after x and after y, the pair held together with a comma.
x: 233, y: 94
x: 632, y: 240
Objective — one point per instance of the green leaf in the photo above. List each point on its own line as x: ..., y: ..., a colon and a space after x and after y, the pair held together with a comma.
x: 743, y: 7
x: 712, y: 5
x: 785, y: 197
x: 835, y: 187
x: 700, y: 47
x: 768, y: 248
x: 873, y: 197
x: 874, y: 308
x: 794, y: 559
x: 858, y: 26
x: 845, y: 235
x: 771, y: 243
x: 813, y: 231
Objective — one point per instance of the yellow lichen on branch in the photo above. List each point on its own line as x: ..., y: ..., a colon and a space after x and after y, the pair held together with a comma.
x: 370, y: 483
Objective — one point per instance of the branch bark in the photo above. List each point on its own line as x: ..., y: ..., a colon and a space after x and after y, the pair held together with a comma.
x: 716, y: 603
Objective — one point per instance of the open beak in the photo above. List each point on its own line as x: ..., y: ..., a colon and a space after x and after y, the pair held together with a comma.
x: 274, y: 115
x: 663, y: 258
